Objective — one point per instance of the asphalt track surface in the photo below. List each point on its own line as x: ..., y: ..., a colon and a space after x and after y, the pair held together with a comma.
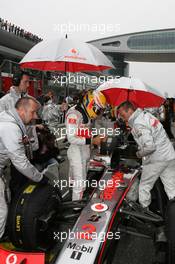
x: 134, y: 250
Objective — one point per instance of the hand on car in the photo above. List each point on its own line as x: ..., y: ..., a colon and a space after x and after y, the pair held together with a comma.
x: 96, y: 140
x: 103, y: 138
x: 39, y: 126
x: 138, y: 155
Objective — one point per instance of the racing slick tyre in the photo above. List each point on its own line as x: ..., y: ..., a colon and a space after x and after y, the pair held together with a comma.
x: 170, y: 228
x: 31, y: 216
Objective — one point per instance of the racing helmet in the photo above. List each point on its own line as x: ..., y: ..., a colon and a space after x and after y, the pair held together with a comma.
x: 94, y: 102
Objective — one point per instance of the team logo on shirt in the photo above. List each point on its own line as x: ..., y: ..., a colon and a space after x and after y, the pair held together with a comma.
x: 72, y: 121
x: 154, y: 122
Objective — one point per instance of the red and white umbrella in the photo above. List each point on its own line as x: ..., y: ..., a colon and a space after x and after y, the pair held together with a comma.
x: 65, y: 55
x: 142, y: 95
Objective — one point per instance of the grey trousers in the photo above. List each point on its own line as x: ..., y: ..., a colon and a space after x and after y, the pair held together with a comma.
x: 151, y: 172
x: 3, y: 208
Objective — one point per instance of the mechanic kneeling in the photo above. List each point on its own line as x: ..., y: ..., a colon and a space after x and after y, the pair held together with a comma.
x: 155, y: 149
x: 13, y: 142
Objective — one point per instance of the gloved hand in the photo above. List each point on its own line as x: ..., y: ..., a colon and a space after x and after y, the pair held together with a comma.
x: 96, y: 140
x: 104, y: 139
x: 44, y: 180
x: 138, y: 154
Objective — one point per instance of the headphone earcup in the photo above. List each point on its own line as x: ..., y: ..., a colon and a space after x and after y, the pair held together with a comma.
x: 17, y: 78
x: 16, y: 81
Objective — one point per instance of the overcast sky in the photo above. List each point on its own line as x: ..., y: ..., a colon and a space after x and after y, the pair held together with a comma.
x: 92, y: 19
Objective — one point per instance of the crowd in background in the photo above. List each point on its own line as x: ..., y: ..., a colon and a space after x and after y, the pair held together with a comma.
x: 51, y: 112
x: 11, y: 28
x: 166, y: 114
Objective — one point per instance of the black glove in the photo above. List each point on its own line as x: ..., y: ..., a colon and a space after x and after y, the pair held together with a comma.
x: 44, y: 180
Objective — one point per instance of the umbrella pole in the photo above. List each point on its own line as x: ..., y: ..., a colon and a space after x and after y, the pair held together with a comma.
x: 67, y: 83
x: 128, y: 93
x: 129, y: 89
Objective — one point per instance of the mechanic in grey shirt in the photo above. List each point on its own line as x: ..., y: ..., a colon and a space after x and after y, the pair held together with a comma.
x: 155, y: 149
x: 12, y: 146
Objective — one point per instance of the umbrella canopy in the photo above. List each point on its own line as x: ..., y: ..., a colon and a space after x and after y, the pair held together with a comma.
x: 65, y: 55
x: 119, y: 90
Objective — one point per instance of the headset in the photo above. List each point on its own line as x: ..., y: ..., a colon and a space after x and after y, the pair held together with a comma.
x: 17, y: 77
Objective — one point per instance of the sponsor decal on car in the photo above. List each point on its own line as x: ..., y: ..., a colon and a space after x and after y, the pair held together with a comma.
x: 76, y: 255
x: 79, y: 248
x: 29, y: 189
x: 12, y: 257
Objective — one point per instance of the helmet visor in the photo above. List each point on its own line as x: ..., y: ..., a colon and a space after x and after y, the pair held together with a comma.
x: 97, y: 110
